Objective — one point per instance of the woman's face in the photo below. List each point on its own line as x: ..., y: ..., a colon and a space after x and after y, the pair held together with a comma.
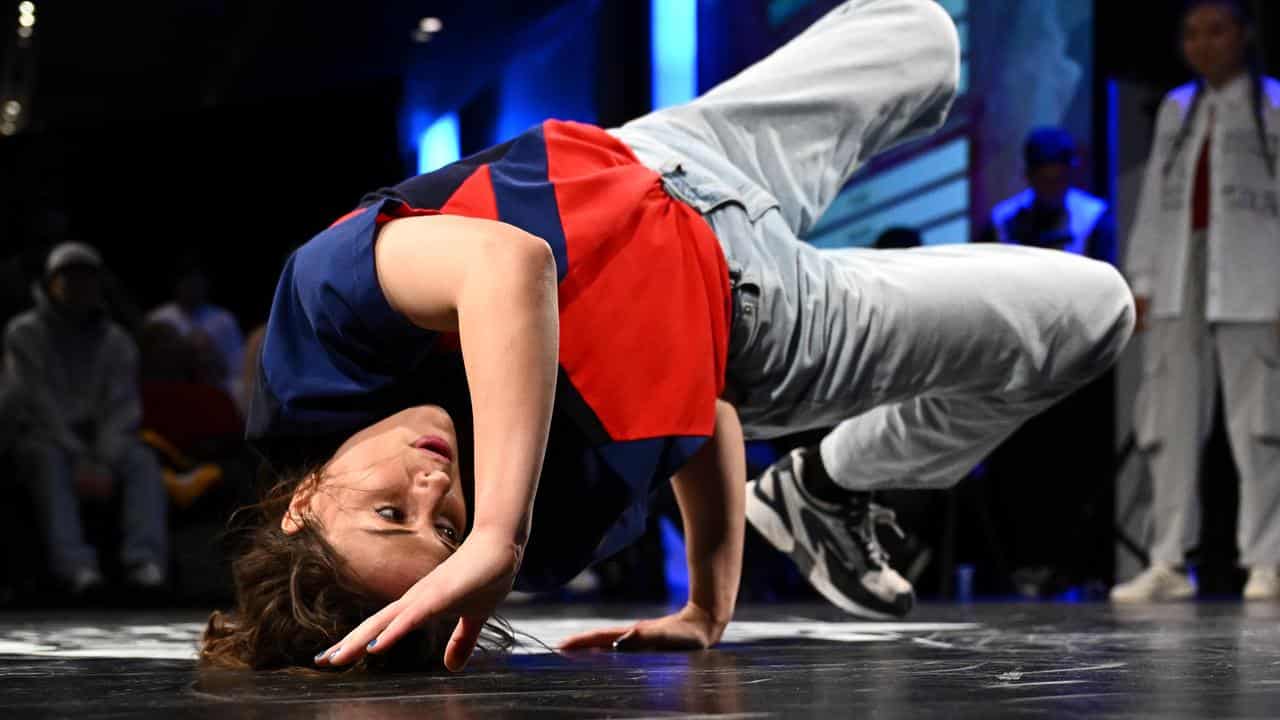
x: 1214, y: 42
x: 390, y: 501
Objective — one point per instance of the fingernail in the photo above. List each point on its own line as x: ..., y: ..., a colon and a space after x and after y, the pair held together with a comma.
x: 335, y: 654
x: 372, y: 643
x: 319, y: 657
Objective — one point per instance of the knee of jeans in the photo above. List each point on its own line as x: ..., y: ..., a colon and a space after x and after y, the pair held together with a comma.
x: 134, y: 456
x: 937, y: 55
x: 1102, y: 320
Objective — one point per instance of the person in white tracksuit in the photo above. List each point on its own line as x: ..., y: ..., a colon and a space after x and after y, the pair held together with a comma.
x: 1203, y: 261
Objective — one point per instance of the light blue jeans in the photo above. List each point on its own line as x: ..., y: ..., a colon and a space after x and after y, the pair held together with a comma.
x: 922, y: 359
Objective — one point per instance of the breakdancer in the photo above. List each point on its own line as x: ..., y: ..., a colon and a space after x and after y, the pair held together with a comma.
x: 477, y: 377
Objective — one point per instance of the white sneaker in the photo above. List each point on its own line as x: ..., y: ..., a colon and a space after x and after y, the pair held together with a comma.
x: 834, y: 546
x: 84, y: 580
x: 148, y: 576
x: 1158, y: 583
x: 1264, y: 584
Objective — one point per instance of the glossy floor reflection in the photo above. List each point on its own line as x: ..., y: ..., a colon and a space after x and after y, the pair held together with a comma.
x: 984, y: 660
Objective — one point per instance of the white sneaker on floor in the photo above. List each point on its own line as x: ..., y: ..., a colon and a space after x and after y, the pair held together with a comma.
x: 1158, y: 583
x: 84, y: 580
x: 1264, y: 584
x: 147, y: 575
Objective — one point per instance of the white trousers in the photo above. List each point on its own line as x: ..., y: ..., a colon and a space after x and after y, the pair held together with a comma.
x: 1187, y: 359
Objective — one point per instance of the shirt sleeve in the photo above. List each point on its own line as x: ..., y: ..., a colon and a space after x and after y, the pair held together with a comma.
x: 1139, y: 265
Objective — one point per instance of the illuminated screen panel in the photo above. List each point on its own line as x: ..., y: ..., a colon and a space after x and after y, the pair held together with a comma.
x: 928, y: 192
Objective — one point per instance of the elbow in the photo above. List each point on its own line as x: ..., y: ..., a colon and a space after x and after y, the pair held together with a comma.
x: 532, y: 256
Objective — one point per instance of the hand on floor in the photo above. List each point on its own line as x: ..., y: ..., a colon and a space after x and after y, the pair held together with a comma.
x: 692, y: 628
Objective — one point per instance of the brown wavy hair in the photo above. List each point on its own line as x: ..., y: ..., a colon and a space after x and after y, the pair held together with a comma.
x: 295, y: 597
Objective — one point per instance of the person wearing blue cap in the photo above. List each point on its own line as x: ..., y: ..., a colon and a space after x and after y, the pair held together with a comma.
x: 1051, y: 213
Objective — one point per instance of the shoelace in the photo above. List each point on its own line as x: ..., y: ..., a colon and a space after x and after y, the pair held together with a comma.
x: 864, y: 529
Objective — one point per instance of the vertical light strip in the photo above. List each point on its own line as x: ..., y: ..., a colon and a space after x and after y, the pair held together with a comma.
x: 673, y: 39
x: 674, y: 49
x: 439, y: 144
x: 1112, y: 140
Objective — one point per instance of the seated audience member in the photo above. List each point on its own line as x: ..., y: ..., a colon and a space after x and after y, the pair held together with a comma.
x: 1051, y: 213
x: 187, y: 417
x: 211, y: 328
x: 74, y: 375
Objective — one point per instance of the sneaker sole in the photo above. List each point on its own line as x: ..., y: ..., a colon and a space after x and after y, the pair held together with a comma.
x: 1179, y: 596
x: 766, y: 522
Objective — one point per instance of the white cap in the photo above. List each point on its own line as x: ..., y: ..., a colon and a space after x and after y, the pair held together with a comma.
x: 68, y: 254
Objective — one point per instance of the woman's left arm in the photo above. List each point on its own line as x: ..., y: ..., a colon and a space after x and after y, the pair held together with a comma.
x: 711, y: 492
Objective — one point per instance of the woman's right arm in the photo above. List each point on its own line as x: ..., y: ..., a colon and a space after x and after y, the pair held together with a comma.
x: 496, y: 286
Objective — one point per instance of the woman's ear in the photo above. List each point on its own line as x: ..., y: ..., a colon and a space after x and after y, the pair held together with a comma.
x: 299, y: 506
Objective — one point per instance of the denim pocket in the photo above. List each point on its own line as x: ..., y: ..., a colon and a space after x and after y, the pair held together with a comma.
x: 705, y: 193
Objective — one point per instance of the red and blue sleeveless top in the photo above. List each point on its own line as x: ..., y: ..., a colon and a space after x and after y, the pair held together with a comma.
x: 644, y: 328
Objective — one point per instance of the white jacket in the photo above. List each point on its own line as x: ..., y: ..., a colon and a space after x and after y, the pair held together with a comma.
x: 1244, y: 213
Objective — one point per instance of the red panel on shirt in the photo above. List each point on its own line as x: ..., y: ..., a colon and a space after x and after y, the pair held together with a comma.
x: 644, y: 308
x: 474, y: 198
x: 645, y: 303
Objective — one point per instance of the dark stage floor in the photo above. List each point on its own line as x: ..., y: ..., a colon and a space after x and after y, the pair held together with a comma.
x: 983, y: 660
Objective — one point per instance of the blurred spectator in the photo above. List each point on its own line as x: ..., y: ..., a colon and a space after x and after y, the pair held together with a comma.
x: 74, y: 376
x: 188, y: 418
x: 1203, y: 262
x: 1050, y: 213
x: 212, y: 329
x: 899, y: 238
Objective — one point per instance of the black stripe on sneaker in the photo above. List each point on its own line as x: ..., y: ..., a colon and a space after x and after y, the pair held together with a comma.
x: 777, y: 503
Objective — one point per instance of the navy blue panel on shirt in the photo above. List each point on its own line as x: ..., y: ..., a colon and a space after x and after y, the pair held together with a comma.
x: 432, y: 190
x: 526, y: 198
x: 334, y: 350
x: 337, y: 357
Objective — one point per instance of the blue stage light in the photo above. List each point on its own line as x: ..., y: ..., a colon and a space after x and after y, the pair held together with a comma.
x: 439, y: 144
x: 674, y: 38
x: 675, y: 570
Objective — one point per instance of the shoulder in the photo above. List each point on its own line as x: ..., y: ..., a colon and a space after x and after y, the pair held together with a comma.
x: 1086, y: 200
x: 1271, y: 92
x: 220, y: 317
x: 24, y: 327
x: 1179, y: 98
x: 168, y: 312
x: 1010, y: 206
